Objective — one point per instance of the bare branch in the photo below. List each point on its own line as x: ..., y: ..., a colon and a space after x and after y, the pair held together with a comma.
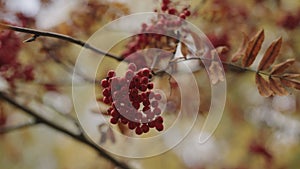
x: 77, y: 137
x: 38, y: 33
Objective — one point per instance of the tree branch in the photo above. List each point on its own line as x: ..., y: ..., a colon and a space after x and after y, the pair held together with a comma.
x: 77, y: 137
x: 38, y: 33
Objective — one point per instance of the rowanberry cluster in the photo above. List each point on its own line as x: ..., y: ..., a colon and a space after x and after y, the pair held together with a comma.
x: 170, y: 8
x: 290, y: 20
x: 10, y: 68
x: 163, y: 29
x: 132, y: 101
x: 10, y: 45
x: 17, y: 71
x: 163, y: 41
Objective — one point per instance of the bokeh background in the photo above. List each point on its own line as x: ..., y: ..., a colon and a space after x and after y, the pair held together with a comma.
x: 254, y: 133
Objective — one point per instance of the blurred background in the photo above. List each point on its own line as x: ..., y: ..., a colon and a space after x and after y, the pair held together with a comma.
x: 255, y: 132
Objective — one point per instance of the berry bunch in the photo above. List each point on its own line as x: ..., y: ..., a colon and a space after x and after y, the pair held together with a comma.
x: 170, y: 8
x: 10, y: 45
x: 10, y: 67
x: 164, y: 29
x: 132, y: 100
x: 137, y: 50
x: 290, y: 20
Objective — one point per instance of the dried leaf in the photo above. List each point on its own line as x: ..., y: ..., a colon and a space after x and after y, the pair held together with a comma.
x: 277, y: 87
x: 281, y: 67
x: 291, y: 75
x: 215, y: 70
x: 222, y: 50
x: 254, y: 45
x: 184, y: 50
x: 241, y: 50
x: 270, y: 55
x: 263, y: 86
x: 291, y: 83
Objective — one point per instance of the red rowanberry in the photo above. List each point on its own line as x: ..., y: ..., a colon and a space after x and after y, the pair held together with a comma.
x: 159, y: 127
x: 111, y: 74
x: 138, y: 131
x: 104, y: 83
x: 145, y: 128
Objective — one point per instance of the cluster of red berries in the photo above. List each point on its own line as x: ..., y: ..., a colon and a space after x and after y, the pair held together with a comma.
x: 169, y: 7
x: 17, y: 71
x: 10, y: 68
x: 290, y: 20
x: 10, y: 45
x: 137, y: 50
x: 163, y: 29
x: 132, y: 101
x: 162, y: 39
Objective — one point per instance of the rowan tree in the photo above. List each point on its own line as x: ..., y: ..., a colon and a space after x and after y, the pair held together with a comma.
x: 149, y: 84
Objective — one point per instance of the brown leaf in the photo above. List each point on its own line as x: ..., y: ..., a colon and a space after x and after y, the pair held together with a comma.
x: 184, y: 50
x: 222, y: 50
x: 263, y: 86
x: 281, y: 67
x: 291, y: 75
x: 253, y: 47
x: 270, y: 55
x: 215, y: 70
x: 241, y: 50
x: 291, y: 83
x: 277, y: 87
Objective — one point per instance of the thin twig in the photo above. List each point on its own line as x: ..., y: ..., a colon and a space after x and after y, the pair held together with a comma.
x: 229, y: 65
x: 69, y: 117
x: 38, y: 33
x: 77, y: 137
